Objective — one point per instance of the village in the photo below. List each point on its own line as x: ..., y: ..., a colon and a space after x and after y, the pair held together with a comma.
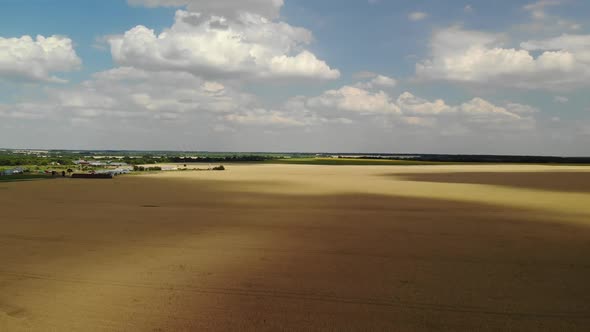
x: 79, y: 168
x: 92, y: 169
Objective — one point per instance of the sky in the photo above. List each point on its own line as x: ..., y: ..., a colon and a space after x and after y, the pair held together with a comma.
x: 389, y: 76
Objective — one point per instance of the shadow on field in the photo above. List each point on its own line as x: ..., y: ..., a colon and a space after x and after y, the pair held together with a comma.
x: 552, y: 181
x: 235, y: 260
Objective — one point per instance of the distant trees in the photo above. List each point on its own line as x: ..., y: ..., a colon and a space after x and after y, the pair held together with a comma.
x: 217, y: 159
x: 132, y: 160
x: 19, y: 160
x: 65, y: 158
x: 15, y: 158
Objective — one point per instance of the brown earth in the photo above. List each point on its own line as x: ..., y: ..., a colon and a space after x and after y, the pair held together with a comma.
x: 559, y: 181
x: 278, y: 247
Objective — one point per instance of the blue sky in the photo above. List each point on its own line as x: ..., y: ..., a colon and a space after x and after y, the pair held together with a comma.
x: 266, y: 75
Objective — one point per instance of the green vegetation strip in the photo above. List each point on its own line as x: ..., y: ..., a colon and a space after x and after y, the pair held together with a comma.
x: 24, y: 177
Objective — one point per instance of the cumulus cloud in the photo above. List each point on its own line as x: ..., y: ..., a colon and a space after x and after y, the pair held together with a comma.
x: 127, y: 92
x: 304, y: 64
x: 263, y: 117
x: 136, y: 97
x: 226, y: 8
x: 255, y: 47
x: 374, y: 80
x: 417, y: 16
x: 470, y: 116
x: 169, y: 107
x: 414, y: 106
x: 353, y: 99
x: 383, y: 81
x: 36, y: 59
x: 129, y: 108
x: 482, y: 111
x: 477, y: 57
x: 409, y: 110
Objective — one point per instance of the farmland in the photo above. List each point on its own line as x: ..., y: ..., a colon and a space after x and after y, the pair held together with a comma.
x: 300, y: 247
x: 349, y: 161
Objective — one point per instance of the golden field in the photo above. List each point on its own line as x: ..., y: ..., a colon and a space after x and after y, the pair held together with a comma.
x: 300, y: 247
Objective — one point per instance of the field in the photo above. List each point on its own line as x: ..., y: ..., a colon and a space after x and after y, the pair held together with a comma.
x: 300, y: 247
x: 349, y: 161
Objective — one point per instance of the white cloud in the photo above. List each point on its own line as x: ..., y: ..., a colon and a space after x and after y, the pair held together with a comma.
x: 304, y: 64
x: 469, y: 116
x: 213, y: 87
x: 543, y: 23
x: 384, y: 81
x: 520, y: 109
x: 153, y: 107
x: 468, y: 9
x: 254, y: 48
x: 24, y: 111
x: 478, y: 115
x: 137, y: 97
x: 374, y: 80
x: 481, y: 111
x: 417, y: 16
x: 353, y: 99
x: 472, y: 116
x: 414, y: 106
x: 477, y: 57
x: 537, y: 9
x: 132, y: 97
x: 133, y: 93
x: 561, y: 99
x: 262, y: 117
x: 36, y: 59
x: 225, y: 8
x: 569, y: 42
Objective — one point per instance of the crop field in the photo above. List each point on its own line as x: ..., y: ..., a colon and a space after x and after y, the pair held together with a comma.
x: 268, y: 247
x: 349, y: 161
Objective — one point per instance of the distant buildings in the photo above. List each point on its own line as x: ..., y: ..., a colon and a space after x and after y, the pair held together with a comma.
x: 113, y: 172
x: 107, y: 163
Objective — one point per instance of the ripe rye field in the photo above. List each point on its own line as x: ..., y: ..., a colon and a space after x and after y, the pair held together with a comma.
x: 300, y: 247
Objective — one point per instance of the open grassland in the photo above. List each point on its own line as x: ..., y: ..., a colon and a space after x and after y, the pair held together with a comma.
x: 300, y: 247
